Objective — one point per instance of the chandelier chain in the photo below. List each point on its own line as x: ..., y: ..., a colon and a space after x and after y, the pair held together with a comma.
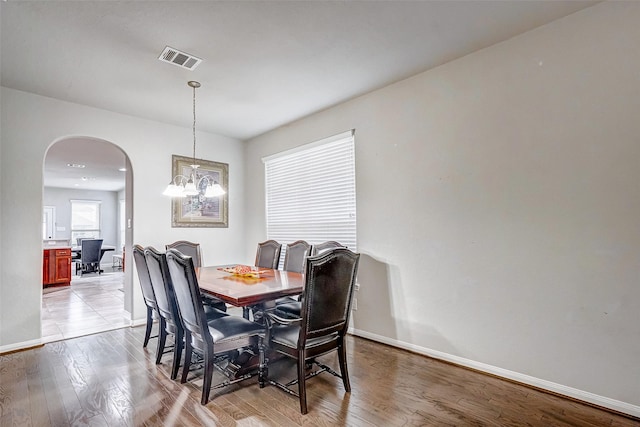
x: 194, y: 124
x: 181, y: 185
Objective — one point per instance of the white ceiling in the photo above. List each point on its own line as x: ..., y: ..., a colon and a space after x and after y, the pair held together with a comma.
x: 266, y: 63
x: 101, y: 160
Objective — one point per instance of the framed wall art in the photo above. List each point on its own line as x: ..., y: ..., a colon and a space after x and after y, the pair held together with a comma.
x: 198, y: 210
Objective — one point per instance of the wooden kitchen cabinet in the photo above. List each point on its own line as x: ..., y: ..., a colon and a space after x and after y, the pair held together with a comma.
x: 56, y: 266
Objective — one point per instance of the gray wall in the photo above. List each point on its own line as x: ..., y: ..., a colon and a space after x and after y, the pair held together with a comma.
x: 61, y: 199
x: 499, y: 206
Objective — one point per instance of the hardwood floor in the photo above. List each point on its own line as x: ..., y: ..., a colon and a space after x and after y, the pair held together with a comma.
x: 109, y: 379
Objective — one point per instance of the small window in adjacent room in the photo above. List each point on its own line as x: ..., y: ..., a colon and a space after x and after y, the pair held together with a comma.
x: 85, y: 219
x: 311, y: 193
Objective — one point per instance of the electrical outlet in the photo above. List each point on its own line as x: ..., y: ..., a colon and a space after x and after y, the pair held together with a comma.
x: 357, y: 287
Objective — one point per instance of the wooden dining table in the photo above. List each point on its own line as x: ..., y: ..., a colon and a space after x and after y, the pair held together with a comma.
x: 259, y: 293
x: 243, y: 291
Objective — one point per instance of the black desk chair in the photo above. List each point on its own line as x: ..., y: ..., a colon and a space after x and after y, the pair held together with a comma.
x: 326, y: 305
x: 90, y: 256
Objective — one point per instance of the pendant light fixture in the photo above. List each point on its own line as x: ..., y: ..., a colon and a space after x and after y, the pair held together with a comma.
x: 180, y: 185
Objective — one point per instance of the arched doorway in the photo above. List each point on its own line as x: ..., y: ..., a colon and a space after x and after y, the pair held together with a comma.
x: 87, y: 189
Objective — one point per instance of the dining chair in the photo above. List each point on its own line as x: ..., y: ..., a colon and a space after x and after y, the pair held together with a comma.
x: 325, y: 246
x: 90, y: 256
x: 170, y: 322
x: 211, y: 338
x: 326, y: 306
x: 268, y: 254
x: 193, y: 250
x: 147, y: 290
x: 188, y: 248
x: 295, y: 256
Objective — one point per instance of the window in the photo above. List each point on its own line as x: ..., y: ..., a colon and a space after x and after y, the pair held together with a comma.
x: 85, y: 219
x: 311, y: 193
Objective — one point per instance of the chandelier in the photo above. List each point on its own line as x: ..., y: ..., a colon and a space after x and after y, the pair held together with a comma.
x: 180, y: 185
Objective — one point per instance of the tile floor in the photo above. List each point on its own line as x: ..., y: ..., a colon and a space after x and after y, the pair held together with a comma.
x: 93, y: 303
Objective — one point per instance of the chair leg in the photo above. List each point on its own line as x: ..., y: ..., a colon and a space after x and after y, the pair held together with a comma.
x: 147, y: 332
x: 188, y: 351
x: 162, y: 339
x: 344, y: 372
x: 177, y: 353
x: 263, y: 368
x: 302, y: 388
x: 208, y: 376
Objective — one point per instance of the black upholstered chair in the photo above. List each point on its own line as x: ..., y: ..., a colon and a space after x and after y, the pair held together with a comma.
x: 193, y: 250
x: 326, y: 306
x: 295, y: 256
x: 268, y: 254
x: 189, y: 249
x: 90, y: 256
x: 290, y: 307
x: 324, y: 246
x: 211, y: 338
x: 170, y: 323
x: 147, y: 290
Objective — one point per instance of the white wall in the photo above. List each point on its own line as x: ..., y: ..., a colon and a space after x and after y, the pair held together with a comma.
x: 121, y: 241
x: 499, y: 204
x: 29, y: 125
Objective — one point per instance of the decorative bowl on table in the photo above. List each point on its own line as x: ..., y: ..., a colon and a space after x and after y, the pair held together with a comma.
x: 243, y: 271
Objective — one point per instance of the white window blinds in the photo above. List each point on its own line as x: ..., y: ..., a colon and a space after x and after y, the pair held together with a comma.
x: 311, y: 192
x: 85, y: 219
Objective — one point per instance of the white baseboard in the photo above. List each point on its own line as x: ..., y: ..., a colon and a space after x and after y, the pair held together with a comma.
x: 138, y: 322
x: 20, y: 346
x: 574, y: 393
x: 25, y: 345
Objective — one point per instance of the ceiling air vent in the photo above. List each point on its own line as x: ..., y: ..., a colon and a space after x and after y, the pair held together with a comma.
x: 181, y: 59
